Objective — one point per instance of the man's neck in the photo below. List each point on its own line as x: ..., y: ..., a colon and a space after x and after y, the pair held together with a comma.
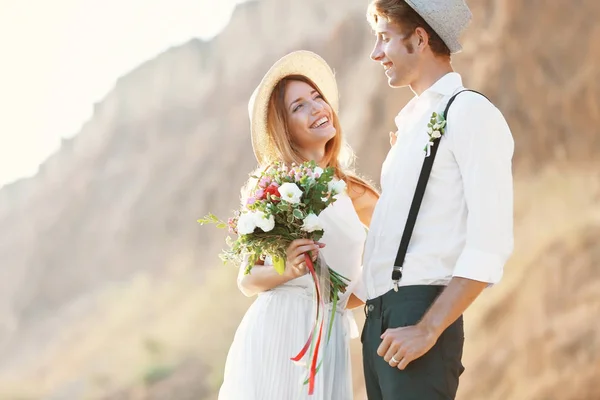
x: 430, y: 74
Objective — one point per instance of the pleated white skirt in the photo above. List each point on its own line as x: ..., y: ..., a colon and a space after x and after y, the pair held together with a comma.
x: 274, y: 329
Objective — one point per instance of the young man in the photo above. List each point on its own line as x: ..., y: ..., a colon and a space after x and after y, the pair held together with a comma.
x: 413, y: 335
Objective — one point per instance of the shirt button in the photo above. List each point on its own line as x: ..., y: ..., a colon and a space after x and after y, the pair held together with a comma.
x: 371, y: 307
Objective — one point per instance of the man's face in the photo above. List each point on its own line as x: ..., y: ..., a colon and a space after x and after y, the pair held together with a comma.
x: 395, y: 52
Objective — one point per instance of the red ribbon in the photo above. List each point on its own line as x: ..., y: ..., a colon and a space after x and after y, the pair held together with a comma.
x: 320, y: 306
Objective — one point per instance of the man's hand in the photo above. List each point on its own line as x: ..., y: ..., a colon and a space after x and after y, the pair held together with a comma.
x: 406, y: 344
x: 400, y: 346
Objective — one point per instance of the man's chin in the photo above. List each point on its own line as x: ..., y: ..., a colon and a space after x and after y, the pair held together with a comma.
x: 393, y: 82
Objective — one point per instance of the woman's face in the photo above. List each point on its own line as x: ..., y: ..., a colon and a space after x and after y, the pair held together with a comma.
x: 310, y: 118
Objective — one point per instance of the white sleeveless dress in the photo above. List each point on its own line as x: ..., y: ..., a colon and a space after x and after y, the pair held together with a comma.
x: 278, y: 323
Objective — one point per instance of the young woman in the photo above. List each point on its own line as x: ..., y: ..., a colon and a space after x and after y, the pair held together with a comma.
x: 293, y: 115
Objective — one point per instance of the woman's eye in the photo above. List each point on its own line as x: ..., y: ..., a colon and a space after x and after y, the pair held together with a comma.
x: 297, y: 108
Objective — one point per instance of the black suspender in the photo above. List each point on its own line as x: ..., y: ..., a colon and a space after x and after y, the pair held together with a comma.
x: 418, y: 198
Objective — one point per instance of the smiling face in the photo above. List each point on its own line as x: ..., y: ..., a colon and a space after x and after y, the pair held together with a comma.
x: 309, y: 116
x: 301, y: 125
x: 396, y: 54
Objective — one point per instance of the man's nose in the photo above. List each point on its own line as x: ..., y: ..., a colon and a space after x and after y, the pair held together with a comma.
x: 376, y: 54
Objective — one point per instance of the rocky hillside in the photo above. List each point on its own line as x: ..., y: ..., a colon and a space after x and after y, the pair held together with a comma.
x: 110, y: 288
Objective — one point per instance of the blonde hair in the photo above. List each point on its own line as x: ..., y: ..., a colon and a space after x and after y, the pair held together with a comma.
x: 338, y: 153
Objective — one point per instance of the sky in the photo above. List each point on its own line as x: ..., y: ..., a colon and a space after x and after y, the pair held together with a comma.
x: 59, y: 57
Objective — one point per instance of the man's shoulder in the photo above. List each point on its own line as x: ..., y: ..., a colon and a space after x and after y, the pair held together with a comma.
x: 470, y: 103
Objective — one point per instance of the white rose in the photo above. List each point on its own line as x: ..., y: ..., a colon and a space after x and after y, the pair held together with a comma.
x: 290, y: 192
x: 311, y: 223
x: 336, y: 187
x: 264, y: 223
x: 436, y: 134
x: 246, y: 224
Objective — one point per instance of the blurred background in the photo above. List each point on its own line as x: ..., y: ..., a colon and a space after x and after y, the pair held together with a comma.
x: 121, y: 123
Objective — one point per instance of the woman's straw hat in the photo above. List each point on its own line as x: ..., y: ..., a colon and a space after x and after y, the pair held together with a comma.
x: 300, y: 62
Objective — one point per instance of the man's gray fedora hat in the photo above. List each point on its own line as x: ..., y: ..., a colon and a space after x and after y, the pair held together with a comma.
x: 448, y: 18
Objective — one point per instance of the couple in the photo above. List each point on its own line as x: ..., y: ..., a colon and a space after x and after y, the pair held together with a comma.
x: 414, y: 297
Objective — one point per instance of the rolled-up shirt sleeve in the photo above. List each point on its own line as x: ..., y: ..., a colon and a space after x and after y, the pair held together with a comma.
x: 359, y: 289
x: 483, y: 147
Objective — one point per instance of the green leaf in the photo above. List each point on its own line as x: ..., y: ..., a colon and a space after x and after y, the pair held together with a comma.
x: 211, y: 219
x: 279, y: 264
x: 298, y: 214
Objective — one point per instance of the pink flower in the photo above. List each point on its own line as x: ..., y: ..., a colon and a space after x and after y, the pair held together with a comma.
x: 232, y: 224
x: 251, y: 200
x: 259, y: 194
x: 264, y: 182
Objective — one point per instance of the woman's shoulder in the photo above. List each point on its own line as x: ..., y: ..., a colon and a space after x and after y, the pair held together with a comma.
x: 364, y: 198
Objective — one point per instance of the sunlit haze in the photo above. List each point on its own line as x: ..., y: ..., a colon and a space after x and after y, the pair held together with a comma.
x: 60, y: 57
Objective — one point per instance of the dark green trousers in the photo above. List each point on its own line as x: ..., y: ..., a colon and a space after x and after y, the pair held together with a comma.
x: 434, y: 376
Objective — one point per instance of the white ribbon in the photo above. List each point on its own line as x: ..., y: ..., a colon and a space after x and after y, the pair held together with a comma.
x: 428, y: 148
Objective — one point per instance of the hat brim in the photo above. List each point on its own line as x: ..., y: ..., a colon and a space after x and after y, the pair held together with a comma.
x: 302, y: 62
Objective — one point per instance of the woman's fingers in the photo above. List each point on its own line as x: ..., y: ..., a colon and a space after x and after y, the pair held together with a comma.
x: 305, y: 249
x: 293, y: 247
x: 298, y: 260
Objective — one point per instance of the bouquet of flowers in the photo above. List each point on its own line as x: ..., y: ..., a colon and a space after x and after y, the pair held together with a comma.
x: 284, y: 206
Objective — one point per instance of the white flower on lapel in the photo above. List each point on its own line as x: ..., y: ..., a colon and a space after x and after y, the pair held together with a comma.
x: 435, y: 130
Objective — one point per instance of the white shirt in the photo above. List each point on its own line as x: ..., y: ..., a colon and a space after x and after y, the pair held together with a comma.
x: 465, y: 224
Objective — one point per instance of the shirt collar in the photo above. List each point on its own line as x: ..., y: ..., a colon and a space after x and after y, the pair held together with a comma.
x: 446, y: 85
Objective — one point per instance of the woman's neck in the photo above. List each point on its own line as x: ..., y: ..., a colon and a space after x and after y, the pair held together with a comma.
x: 317, y: 155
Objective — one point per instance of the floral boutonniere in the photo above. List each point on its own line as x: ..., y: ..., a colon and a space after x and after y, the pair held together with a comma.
x: 435, y: 129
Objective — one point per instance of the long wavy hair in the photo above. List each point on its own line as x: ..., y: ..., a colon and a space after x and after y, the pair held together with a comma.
x: 338, y: 154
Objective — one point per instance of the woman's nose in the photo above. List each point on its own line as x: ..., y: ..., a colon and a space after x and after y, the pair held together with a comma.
x: 317, y: 107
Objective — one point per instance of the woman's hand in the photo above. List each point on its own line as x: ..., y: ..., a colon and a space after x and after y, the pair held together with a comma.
x: 295, y: 265
x: 393, y: 137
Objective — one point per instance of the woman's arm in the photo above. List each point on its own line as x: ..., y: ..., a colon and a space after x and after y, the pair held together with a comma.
x: 354, y: 302
x: 264, y: 277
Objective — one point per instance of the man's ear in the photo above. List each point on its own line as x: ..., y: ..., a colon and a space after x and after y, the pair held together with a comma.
x: 422, y: 38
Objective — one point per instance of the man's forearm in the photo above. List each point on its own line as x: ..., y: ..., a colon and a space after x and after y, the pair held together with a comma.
x: 451, y: 304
